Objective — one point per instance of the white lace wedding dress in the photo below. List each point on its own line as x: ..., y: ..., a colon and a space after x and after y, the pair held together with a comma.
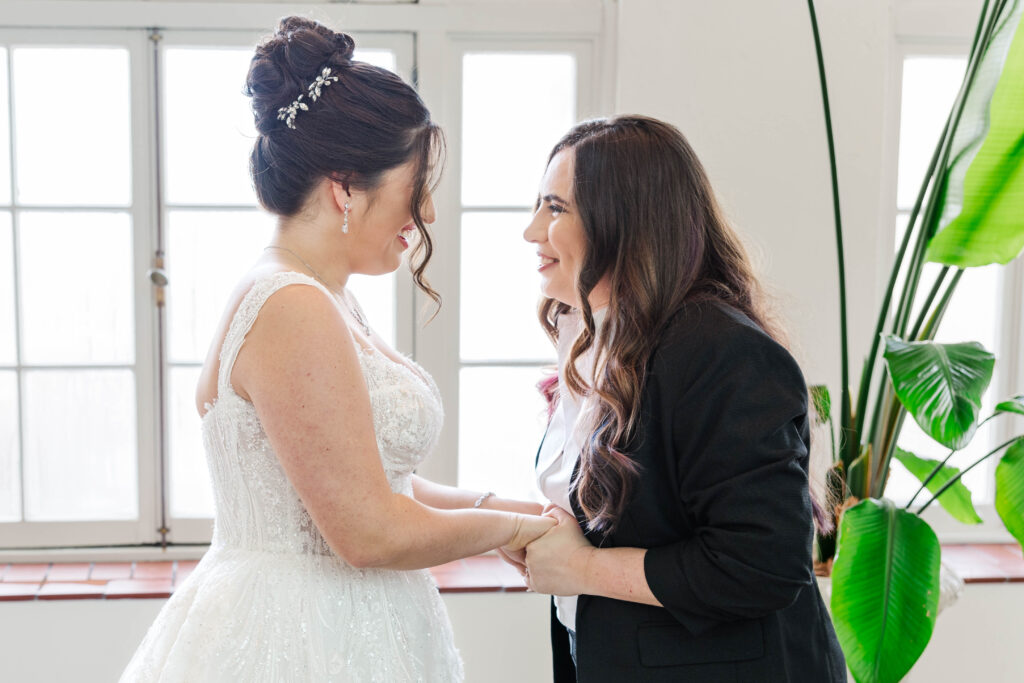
x: 269, y: 601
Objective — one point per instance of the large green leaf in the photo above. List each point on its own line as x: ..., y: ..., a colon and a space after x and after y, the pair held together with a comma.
x: 956, y: 500
x: 1011, y: 405
x: 885, y: 589
x: 941, y: 385
x: 982, y: 220
x: 1010, y: 489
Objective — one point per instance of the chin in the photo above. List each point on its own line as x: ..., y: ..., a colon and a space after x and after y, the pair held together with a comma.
x: 558, y: 294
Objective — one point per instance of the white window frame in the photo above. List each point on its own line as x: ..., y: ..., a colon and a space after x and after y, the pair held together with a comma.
x: 441, y: 31
x: 432, y: 349
x: 921, y: 29
x: 197, y: 530
x: 43, y: 534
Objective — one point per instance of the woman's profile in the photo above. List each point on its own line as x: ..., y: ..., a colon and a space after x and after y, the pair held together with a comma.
x: 680, y: 437
x: 313, y: 426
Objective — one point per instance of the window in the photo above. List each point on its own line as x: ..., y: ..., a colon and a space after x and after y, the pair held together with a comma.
x: 502, y: 348
x: 982, y: 309
x: 214, y: 230
x: 100, y: 441
x: 75, y: 378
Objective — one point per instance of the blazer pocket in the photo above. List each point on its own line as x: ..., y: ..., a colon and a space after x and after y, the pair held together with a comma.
x: 672, y: 645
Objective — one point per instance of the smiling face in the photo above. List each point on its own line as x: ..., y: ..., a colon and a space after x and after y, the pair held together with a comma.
x: 382, y: 224
x: 557, y: 230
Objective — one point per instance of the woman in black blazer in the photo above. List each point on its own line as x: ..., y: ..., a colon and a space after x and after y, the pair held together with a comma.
x: 678, y: 435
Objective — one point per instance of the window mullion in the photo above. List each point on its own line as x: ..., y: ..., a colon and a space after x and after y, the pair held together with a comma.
x: 145, y: 210
x: 15, y: 263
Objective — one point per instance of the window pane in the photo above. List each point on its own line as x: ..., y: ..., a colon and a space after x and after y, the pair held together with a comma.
x: 5, y: 132
x: 515, y: 107
x: 207, y: 254
x: 501, y: 422
x: 382, y: 58
x: 930, y: 85
x: 73, y: 127
x: 86, y: 467
x: 499, y: 295
x: 7, y: 346
x: 10, y: 478
x: 209, y: 126
x: 76, y: 288
x: 376, y: 294
x: 191, y: 493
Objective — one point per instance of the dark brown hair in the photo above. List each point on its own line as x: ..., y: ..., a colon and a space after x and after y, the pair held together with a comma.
x: 653, y: 226
x: 364, y: 124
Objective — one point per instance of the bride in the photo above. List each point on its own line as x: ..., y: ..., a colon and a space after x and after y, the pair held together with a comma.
x: 313, y: 426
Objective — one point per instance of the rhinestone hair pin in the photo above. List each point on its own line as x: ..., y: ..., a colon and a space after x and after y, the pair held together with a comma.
x: 288, y: 114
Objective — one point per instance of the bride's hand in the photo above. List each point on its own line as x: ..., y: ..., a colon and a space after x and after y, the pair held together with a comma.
x: 516, y: 558
x: 527, y: 529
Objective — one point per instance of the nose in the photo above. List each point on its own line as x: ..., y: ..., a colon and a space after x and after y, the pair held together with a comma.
x: 427, y: 210
x: 535, y: 232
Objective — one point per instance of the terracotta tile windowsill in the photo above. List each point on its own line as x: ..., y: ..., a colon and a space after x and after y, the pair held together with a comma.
x: 991, y: 563
x: 118, y: 580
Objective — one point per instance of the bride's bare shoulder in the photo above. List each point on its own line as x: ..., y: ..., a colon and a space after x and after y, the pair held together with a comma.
x: 297, y: 297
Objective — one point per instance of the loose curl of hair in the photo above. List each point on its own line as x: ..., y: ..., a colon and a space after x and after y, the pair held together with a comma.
x: 653, y: 226
x: 366, y: 123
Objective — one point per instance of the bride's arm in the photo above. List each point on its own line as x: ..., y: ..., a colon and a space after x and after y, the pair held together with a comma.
x: 298, y: 366
x: 451, y: 498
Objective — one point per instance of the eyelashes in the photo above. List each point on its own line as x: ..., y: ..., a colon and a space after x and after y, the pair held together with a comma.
x: 555, y: 208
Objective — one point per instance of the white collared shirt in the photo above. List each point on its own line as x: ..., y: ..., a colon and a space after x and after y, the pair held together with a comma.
x: 562, y: 443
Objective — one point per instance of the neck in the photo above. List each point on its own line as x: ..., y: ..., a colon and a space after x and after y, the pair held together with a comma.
x: 307, y: 247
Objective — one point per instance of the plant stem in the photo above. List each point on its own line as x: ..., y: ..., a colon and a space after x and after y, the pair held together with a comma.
x: 939, y: 279
x: 939, y: 313
x: 938, y: 468
x: 974, y: 464
x: 845, y: 419
x: 928, y: 479
x: 883, y: 313
x: 982, y: 37
x: 936, y: 178
x: 945, y: 138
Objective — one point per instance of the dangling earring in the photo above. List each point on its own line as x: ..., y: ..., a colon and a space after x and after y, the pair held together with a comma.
x: 344, y: 225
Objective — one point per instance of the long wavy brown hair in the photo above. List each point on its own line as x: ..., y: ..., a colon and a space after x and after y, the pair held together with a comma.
x: 653, y: 226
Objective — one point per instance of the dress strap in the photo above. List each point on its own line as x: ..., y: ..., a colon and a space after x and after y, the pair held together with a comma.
x: 246, y: 315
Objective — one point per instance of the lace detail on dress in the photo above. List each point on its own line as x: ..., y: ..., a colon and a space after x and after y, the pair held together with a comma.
x: 270, y: 601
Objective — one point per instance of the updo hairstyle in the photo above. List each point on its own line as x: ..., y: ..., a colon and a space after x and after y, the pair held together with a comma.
x: 366, y: 123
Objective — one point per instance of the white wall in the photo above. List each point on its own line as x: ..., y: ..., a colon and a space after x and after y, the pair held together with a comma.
x: 978, y: 638
x: 503, y: 637
x: 739, y: 78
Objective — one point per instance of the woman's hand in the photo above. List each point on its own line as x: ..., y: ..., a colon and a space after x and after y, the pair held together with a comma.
x: 516, y: 558
x: 528, y: 528
x: 557, y: 562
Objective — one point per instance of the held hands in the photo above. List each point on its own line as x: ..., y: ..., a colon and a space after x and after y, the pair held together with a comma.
x: 516, y: 556
x: 556, y: 563
x: 527, y: 528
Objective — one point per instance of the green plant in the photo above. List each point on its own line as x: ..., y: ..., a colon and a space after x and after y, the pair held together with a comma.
x: 969, y: 212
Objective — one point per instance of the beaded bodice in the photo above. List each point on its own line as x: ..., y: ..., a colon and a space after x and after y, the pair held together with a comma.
x: 256, y: 506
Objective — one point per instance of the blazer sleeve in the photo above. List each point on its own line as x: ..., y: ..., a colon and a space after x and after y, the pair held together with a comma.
x: 739, y: 438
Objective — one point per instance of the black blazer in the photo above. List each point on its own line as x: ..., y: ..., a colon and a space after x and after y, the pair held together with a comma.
x: 722, y: 505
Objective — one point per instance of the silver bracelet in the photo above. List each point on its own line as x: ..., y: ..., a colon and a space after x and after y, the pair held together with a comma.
x: 481, y: 499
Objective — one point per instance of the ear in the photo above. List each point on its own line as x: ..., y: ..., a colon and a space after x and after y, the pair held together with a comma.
x: 340, y: 192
